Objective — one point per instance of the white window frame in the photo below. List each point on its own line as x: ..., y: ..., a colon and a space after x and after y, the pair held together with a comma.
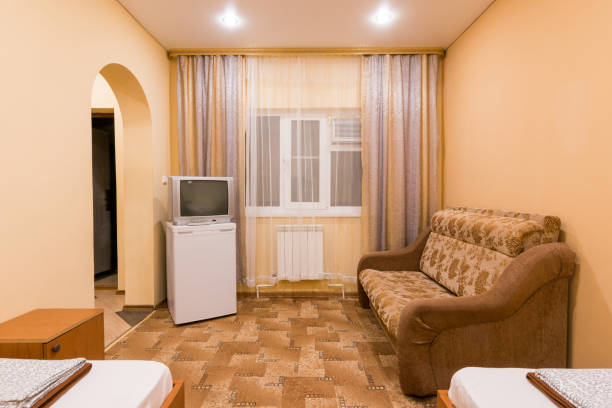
x: 323, y: 207
x: 285, y: 148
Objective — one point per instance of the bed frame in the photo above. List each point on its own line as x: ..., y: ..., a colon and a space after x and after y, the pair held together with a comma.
x: 443, y: 401
x: 176, y: 398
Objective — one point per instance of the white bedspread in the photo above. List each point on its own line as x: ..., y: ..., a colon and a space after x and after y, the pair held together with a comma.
x: 120, y: 384
x: 475, y: 387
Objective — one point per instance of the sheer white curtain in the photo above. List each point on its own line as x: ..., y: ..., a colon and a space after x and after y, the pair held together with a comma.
x: 303, y: 168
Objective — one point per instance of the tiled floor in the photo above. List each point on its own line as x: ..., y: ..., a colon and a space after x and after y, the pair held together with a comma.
x: 111, y: 302
x: 108, y: 281
x: 276, y: 352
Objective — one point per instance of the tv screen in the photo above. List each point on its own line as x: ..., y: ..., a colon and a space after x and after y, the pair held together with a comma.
x: 201, y: 198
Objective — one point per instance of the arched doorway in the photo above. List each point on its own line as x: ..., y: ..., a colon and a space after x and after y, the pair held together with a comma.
x: 134, y: 196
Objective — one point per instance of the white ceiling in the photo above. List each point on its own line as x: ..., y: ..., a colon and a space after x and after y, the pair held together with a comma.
x: 305, y: 23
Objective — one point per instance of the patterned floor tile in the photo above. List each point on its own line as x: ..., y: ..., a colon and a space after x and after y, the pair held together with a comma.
x: 276, y: 352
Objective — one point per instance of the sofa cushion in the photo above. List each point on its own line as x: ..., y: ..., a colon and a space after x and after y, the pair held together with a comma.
x: 465, y: 269
x: 507, y: 235
x: 390, y: 291
x: 550, y: 223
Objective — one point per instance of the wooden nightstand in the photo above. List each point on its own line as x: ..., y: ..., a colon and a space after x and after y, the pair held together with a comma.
x: 54, y: 334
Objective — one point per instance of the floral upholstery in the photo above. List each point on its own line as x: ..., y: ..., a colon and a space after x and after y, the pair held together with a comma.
x: 469, y: 248
x: 550, y: 223
x: 507, y: 235
x: 465, y: 269
x: 390, y: 291
x: 462, y: 321
x: 465, y: 253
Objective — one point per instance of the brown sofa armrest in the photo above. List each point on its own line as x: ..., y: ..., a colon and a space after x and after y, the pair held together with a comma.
x: 405, y: 259
x: 524, y: 276
x: 423, y: 321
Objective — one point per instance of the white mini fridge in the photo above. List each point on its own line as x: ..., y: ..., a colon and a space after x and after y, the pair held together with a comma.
x: 201, y: 271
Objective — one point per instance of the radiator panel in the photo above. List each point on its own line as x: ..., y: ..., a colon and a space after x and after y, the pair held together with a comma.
x: 299, y: 252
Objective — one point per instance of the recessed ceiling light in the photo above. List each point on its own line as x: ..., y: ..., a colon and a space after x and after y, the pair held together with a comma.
x: 383, y: 16
x: 229, y: 19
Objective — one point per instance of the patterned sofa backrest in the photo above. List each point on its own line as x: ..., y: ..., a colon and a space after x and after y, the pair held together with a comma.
x: 469, y: 248
x: 550, y: 223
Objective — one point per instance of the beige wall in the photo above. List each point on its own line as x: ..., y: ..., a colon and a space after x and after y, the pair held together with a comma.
x: 527, y: 126
x: 102, y: 96
x: 50, y: 58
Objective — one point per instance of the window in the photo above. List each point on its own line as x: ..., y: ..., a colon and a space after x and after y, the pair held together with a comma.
x: 345, y: 178
x: 305, y: 161
x: 310, y: 163
x: 267, y: 191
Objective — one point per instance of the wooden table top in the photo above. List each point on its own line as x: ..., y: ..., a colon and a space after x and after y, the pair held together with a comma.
x: 43, y: 325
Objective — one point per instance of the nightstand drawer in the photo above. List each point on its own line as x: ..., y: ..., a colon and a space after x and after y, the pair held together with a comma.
x: 85, y: 340
x: 21, y: 350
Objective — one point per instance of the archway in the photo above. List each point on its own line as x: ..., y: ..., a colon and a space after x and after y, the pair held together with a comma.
x: 135, y: 196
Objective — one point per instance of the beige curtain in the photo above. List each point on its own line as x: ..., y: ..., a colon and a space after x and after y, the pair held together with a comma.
x: 210, y: 125
x: 401, y: 152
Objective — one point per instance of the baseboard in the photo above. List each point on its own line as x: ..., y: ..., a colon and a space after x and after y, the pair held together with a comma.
x: 120, y: 292
x: 262, y: 293
x: 105, y: 287
x: 144, y: 307
x: 162, y: 304
x: 138, y: 307
x: 294, y: 294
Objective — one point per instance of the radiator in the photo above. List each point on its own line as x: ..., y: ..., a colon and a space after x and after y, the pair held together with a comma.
x: 300, y: 252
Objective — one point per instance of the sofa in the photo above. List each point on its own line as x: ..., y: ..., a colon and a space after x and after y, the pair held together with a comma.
x: 478, y: 288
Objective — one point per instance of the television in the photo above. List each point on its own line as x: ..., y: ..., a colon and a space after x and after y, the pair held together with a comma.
x: 201, y: 200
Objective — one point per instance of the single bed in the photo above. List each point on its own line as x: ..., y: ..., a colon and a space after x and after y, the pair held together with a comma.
x: 78, y: 383
x: 130, y: 384
x: 475, y: 387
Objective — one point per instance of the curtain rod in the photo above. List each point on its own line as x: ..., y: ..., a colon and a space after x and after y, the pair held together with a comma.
x: 306, y: 51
